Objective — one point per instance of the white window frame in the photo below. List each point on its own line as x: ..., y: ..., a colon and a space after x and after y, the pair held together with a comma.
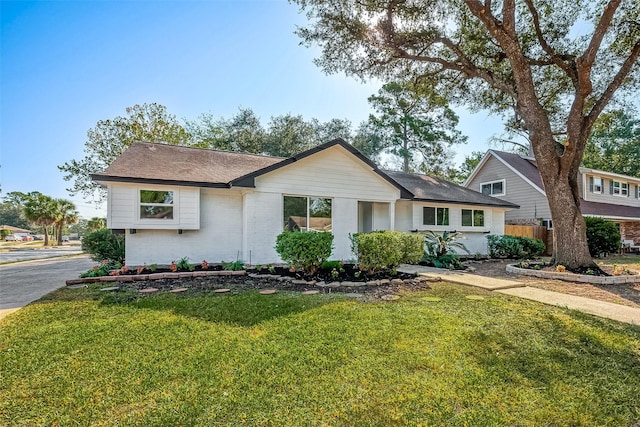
x: 621, y: 190
x: 473, y: 217
x: 174, y: 204
x: 547, y: 223
x: 598, y: 188
x: 436, y: 208
x: 504, y: 187
x: 308, y: 210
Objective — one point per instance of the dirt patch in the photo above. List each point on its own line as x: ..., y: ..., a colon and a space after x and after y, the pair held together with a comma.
x: 624, y: 294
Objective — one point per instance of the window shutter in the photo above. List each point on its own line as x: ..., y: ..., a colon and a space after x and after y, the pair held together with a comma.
x: 636, y: 191
x: 610, y: 186
x: 591, y: 184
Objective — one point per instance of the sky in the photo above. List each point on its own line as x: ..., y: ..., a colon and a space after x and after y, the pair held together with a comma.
x: 65, y: 65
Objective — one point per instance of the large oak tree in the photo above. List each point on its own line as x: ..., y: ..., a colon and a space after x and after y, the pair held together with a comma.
x: 553, y: 66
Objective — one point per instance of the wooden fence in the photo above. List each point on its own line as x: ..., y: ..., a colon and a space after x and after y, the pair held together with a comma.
x: 533, y: 231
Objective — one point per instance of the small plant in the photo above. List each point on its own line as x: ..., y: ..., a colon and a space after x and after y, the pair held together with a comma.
x: 357, y: 274
x: 523, y: 264
x: 183, y: 264
x: 124, y: 269
x: 233, y: 266
x: 561, y: 268
x: 259, y: 267
x: 173, y: 267
x: 153, y: 267
x: 538, y: 267
x: 204, y: 264
x: 590, y: 272
x: 334, y: 274
x: 141, y: 269
x: 618, y: 270
x: 271, y: 269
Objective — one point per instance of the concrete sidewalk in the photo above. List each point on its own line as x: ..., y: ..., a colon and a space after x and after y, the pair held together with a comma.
x: 621, y: 313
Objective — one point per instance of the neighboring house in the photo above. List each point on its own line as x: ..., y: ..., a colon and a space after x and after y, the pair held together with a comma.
x: 174, y: 202
x: 512, y: 177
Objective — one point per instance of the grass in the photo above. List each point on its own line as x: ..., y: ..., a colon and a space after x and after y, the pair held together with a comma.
x: 631, y: 261
x: 79, y: 357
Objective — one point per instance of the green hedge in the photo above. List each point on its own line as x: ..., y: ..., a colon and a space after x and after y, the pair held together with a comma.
x: 104, y: 245
x: 304, y: 250
x: 382, y: 250
x: 603, y: 236
x: 514, y: 247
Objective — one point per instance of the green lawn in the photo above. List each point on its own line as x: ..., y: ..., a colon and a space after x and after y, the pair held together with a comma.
x: 82, y: 358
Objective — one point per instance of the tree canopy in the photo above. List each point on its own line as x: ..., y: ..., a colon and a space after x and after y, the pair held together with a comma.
x: 551, y: 67
x: 419, y: 127
x: 110, y: 137
x: 614, y: 144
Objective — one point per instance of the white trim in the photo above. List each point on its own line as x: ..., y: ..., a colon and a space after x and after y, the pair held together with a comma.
x: 504, y: 187
x: 527, y: 180
x: 479, y: 166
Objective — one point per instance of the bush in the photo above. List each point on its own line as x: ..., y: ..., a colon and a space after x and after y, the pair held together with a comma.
x: 603, y: 236
x: 104, y: 245
x: 304, y: 250
x: 382, y: 250
x: 514, y: 247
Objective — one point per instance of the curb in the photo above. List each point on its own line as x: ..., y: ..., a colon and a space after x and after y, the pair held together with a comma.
x: 572, y: 277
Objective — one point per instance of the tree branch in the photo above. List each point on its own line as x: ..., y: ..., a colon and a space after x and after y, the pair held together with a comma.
x: 555, y: 58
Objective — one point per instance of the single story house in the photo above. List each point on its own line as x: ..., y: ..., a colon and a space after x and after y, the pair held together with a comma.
x: 515, y: 178
x: 174, y: 202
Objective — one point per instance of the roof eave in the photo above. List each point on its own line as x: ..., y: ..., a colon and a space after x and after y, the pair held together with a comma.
x: 154, y: 181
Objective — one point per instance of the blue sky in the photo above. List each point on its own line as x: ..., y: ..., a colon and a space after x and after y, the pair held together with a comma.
x: 67, y: 64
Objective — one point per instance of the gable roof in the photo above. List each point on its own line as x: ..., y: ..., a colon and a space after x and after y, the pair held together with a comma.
x: 431, y: 189
x: 155, y: 163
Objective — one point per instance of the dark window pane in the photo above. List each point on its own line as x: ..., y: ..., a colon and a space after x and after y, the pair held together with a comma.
x: 295, y: 213
x: 443, y: 216
x: 428, y: 216
x: 486, y: 189
x: 497, y: 188
x: 320, y: 214
x: 151, y: 196
x: 467, y: 218
x: 156, y: 212
x: 478, y: 218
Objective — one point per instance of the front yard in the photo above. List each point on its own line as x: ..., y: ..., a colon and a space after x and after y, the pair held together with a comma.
x: 83, y: 357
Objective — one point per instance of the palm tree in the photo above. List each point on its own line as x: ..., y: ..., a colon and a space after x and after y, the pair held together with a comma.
x: 41, y: 210
x: 95, y: 223
x: 65, y: 213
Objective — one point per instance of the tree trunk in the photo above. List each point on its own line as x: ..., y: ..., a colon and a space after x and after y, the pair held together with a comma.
x: 46, y: 235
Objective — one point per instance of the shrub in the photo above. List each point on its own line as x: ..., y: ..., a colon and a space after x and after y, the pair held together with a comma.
x: 412, y: 248
x: 514, y: 247
x: 382, y: 250
x: 102, y: 244
x: 304, y: 250
x: 438, y: 245
x: 603, y: 236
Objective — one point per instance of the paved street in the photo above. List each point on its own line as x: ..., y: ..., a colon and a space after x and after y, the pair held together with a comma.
x: 23, y: 282
x: 38, y: 253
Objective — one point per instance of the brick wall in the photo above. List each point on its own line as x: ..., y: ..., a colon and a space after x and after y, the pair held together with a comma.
x: 630, y: 230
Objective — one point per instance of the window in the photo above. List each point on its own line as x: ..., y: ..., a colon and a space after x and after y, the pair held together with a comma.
x: 620, y: 188
x: 472, y: 218
x: 547, y: 223
x: 494, y: 188
x: 156, y: 204
x: 307, y: 213
x: 435, y: 216
x: 596, y: 184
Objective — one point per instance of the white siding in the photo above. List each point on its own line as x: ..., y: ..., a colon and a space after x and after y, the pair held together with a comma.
x: 123, y: 208
x: 533, y: 204
x: 404, y: 216
x: 263, y: 221
x: 219, y: 238
x: 333, y: 172
x: 606, y: 196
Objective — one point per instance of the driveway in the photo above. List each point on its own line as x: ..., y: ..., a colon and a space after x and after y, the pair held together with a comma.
x: 24, y: 282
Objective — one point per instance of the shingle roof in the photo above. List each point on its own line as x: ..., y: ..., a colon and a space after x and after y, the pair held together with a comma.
x: 609, y: 210
x: 526, y: 166
x: 151, y: 162
x: 429, y: 188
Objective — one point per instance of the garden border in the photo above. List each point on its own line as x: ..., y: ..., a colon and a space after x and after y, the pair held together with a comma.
x: 572, y: 277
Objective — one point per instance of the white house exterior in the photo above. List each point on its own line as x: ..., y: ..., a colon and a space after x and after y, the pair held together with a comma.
x: 174, y: 202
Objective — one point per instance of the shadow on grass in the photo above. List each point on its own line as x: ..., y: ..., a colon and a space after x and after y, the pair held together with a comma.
x: 242, y: 308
